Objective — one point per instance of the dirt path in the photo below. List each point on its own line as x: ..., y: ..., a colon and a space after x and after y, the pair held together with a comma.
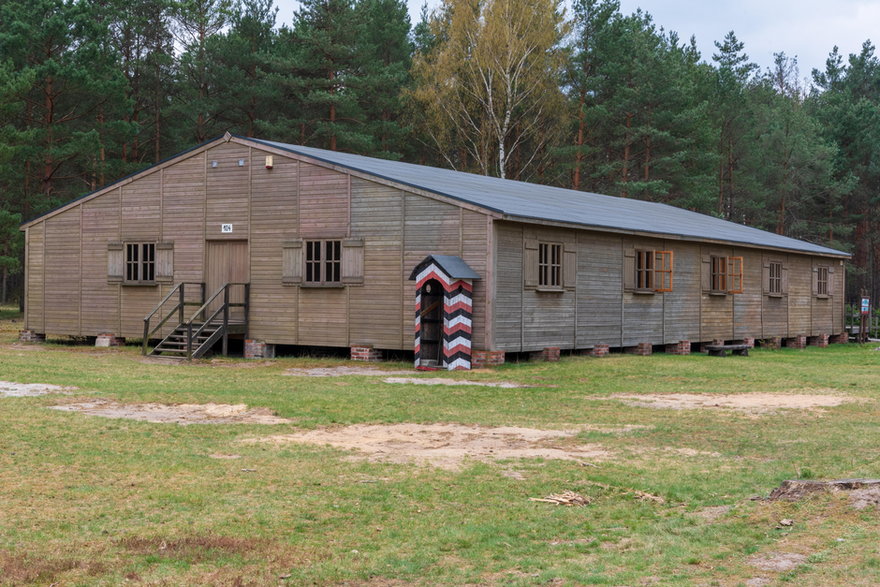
x: 176, y: 414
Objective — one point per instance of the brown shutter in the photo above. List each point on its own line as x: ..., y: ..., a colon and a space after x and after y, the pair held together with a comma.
x: 165, y: 262
x: 735, y: 283
x: 830, y: 281
x: 530, y: 263
x: 706, y: 272
x: 115, y: 262
x: 765, y: 278
x: 784, y: 278
x: 569, y: 265
x: 663, y: 269
x: 353, y: 260
x: 629, y: 269
x: 815, y: 281
x: 291, y: 262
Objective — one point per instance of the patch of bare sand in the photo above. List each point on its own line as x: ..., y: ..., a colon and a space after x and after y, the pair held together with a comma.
x: 11, y: 389
x: 239, y: 364
x: 446, y: 446
x: 446, y: 381
x: 780, y: 562
x: 342, y: 371
x: 746, y: 402
x: 176, y: 414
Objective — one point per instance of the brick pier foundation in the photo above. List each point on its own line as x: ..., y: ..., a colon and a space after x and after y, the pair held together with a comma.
x: 482, y: 359
x: 366, y: 353
x: 258, y: 349
x: 682, y: 347
x: 644, y: 349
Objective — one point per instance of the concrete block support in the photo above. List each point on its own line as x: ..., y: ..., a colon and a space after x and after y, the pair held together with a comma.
x: 482, y: 359
x: 108, y: 339
x: 366, y: 353
x: 258, y: 349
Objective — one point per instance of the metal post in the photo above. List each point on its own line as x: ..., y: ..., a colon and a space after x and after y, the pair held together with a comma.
x: 146, y: 334
x: 225, y: 319
x: 189, y: 341
x: 180, y: 304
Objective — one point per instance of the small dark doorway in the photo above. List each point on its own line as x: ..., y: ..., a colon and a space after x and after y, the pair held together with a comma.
x: 431, y: 324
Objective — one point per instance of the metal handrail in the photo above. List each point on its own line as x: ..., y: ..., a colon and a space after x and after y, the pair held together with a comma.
x: 220, y: 290
x: 180, y: 290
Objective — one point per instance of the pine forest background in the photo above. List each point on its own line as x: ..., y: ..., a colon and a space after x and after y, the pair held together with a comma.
x: 589, y: 98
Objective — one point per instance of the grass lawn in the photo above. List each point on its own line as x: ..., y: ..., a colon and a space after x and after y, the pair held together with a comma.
x: 88, y: 500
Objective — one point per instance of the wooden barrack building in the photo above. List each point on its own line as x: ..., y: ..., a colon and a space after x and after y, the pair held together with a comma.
x: 310, y: 247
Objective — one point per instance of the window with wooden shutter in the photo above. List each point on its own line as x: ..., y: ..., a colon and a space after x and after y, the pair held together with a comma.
x: 353, y: 261
x: 821, y: 281
x: 549, y: 266
x: 138, y: 263
x: 651, y: 270
x: 165, y: 262
x: 115, y: 262
x: 774, y: 278
x: 292, y: 262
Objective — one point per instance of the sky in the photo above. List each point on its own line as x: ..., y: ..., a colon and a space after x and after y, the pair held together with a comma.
x: 807, y: 29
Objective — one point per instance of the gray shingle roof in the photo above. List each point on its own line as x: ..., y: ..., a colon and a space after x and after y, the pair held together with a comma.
x: 526, y: 201
x: 455, y: 267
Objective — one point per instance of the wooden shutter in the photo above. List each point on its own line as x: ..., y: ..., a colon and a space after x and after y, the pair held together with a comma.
x: 735, y: 275
x: 165, y: 262
x: 530, y: 263
x: 569, y: 265
x: 629, y: 269
x: 815, y: 281
x: 830, y: 281
x: 115, y: 262
x: 765, y: 278
x: 663, y: 271
x: 292, y: 262
x: 706, y: 272
x: 353, y: 260
x: 784, y: 279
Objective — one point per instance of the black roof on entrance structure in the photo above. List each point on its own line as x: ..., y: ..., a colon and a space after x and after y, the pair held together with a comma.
x: 525, y: 202
x: 453, y: 266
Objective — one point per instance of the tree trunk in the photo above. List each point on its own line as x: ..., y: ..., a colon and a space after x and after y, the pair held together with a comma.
x: 579, y: 143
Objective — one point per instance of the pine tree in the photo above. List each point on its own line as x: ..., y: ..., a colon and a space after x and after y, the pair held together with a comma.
x: 385, y: 54
x: 734, y: 74
x: 240, y: 68
x: 324, y: 78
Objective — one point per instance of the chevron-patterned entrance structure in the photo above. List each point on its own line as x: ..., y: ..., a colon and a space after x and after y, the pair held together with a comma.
x: 456, y: 278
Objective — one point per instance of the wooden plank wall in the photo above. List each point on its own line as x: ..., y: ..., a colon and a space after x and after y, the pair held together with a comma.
x: 62, y: 273
x: 35, y: 308
x: 100, y: 300
x: 274, y: 219
x: 607, y: 314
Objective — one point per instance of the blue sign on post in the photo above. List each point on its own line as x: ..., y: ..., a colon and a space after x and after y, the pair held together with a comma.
x: 866, y: 305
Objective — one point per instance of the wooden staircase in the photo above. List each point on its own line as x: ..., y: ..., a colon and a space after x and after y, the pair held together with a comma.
x: 211, y: 323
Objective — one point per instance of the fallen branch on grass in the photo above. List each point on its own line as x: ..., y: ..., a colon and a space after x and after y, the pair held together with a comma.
x: 567, y: 498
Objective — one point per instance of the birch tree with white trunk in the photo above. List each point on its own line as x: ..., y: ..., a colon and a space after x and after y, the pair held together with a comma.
x: 487, y: 92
